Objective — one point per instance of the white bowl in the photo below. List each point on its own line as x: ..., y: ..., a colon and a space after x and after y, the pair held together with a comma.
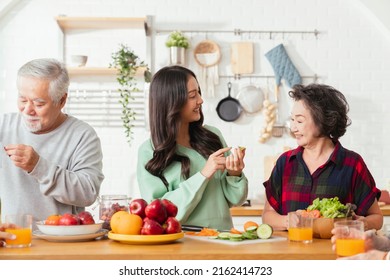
x: 79, y: 60
x: 68, y: 230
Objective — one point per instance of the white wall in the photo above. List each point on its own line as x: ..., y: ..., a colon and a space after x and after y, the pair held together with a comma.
x: 351, y: 54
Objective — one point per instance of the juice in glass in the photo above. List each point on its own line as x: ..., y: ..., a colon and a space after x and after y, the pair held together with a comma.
x: 22, y: 228
x: 23, y: 237
x: 300, y: 234
x: 300, y: 228
x: 349, y: 247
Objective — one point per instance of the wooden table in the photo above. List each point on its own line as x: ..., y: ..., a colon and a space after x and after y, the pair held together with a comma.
x: 183, y: 249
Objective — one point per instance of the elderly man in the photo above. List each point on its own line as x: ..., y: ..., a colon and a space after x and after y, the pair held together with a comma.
x: 51, y: 162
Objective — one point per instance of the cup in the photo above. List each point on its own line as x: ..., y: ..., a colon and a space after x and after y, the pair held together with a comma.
x: 349, y: 240
x: 23, y: 230
x: 300, y: 228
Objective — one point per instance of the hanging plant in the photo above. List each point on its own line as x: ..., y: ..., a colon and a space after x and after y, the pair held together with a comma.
x: 128, y: 63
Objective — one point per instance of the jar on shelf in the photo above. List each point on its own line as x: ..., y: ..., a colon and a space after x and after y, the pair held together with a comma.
x: 110, y: 204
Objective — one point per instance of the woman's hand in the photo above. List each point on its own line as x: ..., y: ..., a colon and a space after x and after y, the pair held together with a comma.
x: 6, y: 235
x: 216, y: 161
x: 235, y: 162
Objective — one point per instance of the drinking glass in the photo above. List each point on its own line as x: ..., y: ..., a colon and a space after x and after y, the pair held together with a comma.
x: 300, y: 228
x: 22, y: 230
x: 349, y: 240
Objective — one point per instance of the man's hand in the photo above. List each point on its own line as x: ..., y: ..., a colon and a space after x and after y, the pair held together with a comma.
x: 23, y: 156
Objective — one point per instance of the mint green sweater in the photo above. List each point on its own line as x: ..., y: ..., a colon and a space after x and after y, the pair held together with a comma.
x: 202, y: 202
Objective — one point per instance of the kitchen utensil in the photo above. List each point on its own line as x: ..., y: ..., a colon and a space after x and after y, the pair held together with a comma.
x: 207, y: 55
x: 145, y: 239
x: 283, y: 66
x: 242, y: 58
x: 277, y: 128
x: 79, y: 60
x: 235, y: 243
x: 229, y: 109
x: 251, y: 98
x: 68, y: 230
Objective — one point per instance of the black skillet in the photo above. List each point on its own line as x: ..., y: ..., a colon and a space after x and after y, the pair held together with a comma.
x: 229, y: 109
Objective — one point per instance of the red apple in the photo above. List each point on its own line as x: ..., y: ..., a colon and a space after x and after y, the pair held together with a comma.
x: 156, y: 211
x: 85, y: 218
x: 172, y: 225
x: 170, y: 206
x: 137, y: 207
x: 69, y: 219
x: 151, y: 227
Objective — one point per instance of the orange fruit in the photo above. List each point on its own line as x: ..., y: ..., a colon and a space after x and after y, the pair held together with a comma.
x: 126, y: 223
x: 53, y: 220
x: 114, y: 222
x: 250, y: 224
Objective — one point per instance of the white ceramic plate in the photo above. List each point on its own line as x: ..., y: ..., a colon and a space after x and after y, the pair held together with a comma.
x: 68, y: 230
x: 70, y: 238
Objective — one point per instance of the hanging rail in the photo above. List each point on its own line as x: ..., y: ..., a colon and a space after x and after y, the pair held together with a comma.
x: 239, y: 32
x: 239, y: 76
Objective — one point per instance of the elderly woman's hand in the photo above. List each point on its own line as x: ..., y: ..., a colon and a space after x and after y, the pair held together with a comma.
x: 6, y: 235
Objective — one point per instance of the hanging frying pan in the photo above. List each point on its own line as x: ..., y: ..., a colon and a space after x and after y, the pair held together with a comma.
x: 251, y: 98
x: 229, y: 109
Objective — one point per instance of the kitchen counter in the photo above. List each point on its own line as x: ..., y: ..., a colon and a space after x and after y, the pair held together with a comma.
x: 183, y: 249
x: 257, y: 210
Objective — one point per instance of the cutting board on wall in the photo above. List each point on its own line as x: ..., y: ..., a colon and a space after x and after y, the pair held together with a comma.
x: 242, y: 57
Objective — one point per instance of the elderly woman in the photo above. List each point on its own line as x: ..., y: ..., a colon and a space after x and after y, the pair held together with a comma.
x: 320, y: 166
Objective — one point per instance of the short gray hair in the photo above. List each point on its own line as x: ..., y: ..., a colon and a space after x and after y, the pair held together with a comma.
x: 49, y: 69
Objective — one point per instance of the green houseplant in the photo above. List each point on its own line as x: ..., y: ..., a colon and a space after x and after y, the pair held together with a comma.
x: 128, y: 64
x: 177, y: 39
x: 177, y: 44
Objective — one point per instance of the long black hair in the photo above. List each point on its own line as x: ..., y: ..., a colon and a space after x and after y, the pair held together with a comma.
x: 167, y: 95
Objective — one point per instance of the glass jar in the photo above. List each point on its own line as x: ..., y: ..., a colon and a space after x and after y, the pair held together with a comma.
x: 109, y: 205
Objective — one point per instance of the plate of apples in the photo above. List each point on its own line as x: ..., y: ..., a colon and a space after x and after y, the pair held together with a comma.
x: 68, y: 224
x: 146, y: 223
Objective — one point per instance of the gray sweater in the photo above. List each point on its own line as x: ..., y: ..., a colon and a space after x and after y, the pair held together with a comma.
x: 67, y: 177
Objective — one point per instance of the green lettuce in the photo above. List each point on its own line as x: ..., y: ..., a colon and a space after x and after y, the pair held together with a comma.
x: 329, y: 207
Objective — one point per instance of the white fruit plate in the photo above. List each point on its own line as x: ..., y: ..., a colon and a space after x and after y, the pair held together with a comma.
x: 68, y: 230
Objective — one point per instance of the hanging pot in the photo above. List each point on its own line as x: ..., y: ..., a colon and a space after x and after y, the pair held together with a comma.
x: 229, y: 109
x: 251, y: 98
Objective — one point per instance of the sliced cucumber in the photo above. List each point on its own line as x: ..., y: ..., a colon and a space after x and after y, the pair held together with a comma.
x: 252, y: 228
x: 264, y: 231
x: 224, y: 235
x: 235, y: 237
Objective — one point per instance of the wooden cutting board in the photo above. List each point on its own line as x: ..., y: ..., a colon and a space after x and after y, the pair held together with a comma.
x: 235, y: 243
x: 242, y: 57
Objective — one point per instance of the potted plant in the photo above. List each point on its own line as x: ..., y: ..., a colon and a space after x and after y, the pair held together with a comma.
x: 128, y: 63
x: 177, y: 43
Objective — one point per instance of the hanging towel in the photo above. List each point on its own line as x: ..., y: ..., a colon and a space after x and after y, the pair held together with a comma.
x: 283, y: 66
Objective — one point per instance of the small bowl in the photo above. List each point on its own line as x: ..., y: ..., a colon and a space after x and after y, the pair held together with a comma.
x: 68, y: 230
x: 79, y: 60
x: 322, y: 227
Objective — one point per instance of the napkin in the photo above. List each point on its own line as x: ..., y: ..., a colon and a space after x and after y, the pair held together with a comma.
x: 283, y: 66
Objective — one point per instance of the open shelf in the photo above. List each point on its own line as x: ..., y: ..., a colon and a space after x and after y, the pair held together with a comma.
x: 98, y: 71
x: 69, y: 23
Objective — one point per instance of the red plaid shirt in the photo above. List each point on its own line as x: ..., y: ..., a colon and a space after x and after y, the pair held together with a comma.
x: 345, y: 175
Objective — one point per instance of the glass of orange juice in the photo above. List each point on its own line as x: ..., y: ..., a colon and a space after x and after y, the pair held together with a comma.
x: 22, y: 229
x: 349, y: 234
x: 300, y: 228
